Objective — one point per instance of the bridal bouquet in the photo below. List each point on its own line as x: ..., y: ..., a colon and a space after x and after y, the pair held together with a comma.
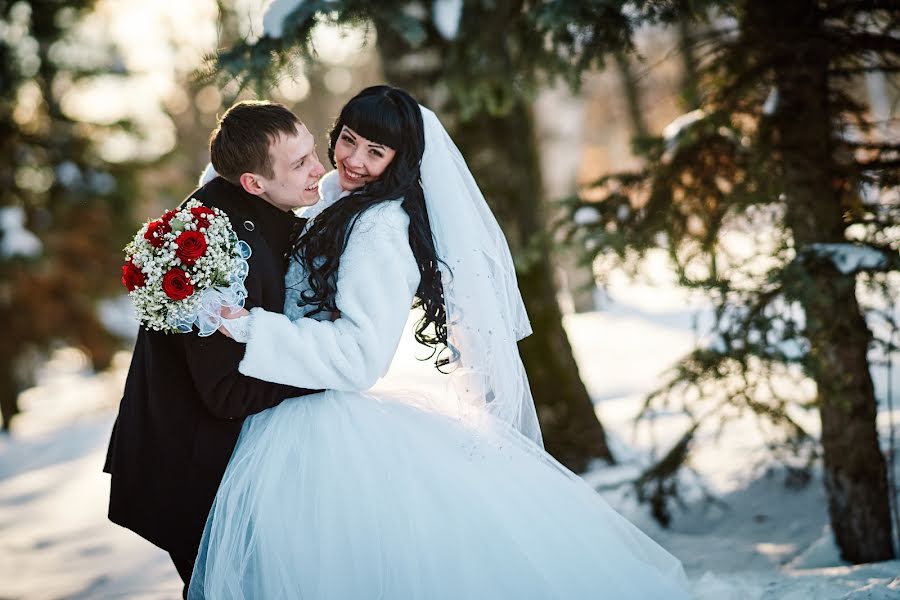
x: 184, y: 267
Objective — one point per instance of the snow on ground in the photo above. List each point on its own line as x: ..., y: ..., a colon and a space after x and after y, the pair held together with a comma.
x: 55, y: 541
x: 759, y: 540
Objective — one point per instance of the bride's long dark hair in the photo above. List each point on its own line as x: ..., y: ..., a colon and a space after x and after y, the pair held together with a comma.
x: 388, y: 116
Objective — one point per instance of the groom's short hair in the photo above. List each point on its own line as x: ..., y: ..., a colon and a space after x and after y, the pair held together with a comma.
x: 240, y: 143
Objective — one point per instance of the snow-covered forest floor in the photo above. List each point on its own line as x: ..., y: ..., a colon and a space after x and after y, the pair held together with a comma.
x: 758, y: 539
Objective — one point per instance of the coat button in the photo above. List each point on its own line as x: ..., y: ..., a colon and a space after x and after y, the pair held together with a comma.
x: 249, y: 226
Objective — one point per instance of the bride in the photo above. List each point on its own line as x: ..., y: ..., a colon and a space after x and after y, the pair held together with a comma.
x: 351, y: 495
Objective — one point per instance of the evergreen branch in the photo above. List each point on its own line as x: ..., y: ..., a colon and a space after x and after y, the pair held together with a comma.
x: 876, y: 221
x: 841, y: 9
x: 777, y: 414
x: 657, y: 483
x: 880, y: 259
x: 881, y: 146
x: 854, y: 71
x: 879, y: 165
x: 868, y: 41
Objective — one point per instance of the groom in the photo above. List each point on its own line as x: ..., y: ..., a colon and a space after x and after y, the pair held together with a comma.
x: 184, y: 400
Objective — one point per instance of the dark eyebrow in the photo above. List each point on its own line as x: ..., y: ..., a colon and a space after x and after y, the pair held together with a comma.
x: 305, y: 156
x: 347, y: 131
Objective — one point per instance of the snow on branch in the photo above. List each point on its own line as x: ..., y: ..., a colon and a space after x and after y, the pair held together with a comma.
x: 14, y: 238
x: 276, y: 12
x: 771, y: 103
x: 679, y: 124
x: 673, y: 132
x: 446, y: 15
x: 586, y: 215
x: 856, y: 258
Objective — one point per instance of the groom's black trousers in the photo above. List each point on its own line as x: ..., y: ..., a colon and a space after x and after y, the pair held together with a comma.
x: 184, y: 566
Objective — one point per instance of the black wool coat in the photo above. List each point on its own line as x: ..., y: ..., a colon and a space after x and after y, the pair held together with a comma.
x: 185, y: 401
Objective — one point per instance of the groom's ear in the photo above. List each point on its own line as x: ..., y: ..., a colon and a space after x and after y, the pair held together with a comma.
x: 252, y: 184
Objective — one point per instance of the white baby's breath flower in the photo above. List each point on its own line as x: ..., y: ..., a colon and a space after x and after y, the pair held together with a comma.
x: 156, y: 310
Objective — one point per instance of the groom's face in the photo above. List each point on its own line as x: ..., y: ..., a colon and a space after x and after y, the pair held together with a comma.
x: 296, y: 171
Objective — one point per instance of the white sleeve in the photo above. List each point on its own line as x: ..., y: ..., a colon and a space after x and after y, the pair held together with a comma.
x: 376, y: 281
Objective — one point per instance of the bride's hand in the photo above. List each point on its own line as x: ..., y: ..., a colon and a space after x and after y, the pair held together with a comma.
x: 230, y: 313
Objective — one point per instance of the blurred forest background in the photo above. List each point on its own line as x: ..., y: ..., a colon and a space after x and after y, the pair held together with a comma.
x: 752, y: 146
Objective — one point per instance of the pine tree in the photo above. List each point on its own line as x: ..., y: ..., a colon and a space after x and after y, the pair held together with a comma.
x: 480, y: 69
x: 64, y: 210
x: 783, y: 152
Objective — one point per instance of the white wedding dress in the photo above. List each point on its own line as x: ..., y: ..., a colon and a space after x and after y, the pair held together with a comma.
x: 346, y: 495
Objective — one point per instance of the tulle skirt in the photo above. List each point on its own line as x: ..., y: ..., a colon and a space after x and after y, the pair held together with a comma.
x: 349, y: 496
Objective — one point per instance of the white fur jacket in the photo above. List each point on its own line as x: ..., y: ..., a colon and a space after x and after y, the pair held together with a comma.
x: 376, y: 281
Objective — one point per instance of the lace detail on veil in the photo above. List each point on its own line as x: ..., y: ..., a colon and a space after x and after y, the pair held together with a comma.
x: 485, y: 312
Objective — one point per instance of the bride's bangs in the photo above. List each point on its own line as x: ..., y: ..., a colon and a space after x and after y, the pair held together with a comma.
x: 375, y: 118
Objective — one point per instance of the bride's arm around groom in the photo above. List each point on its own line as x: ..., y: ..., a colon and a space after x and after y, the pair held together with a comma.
x: 378, y: 277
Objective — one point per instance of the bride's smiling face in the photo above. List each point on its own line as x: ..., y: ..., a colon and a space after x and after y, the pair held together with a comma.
x: 359, y: 160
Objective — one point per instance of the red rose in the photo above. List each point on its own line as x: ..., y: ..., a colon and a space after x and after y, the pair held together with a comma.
x: 191, y: 246
x: 203, y: 215
x: 155, y: 232
x: 168, y: 216
x: 176, y: 284
x: 132, y: 277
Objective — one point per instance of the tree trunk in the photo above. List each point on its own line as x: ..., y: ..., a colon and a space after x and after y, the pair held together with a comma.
x: 9, y: 393
x: 855, y: 472
x: 9, y: 148
x: 632, y: 92
x: 690, y: 80
x: 559, y: 125
x: 502, y: 154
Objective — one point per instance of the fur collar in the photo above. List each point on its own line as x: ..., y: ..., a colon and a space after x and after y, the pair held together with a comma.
x: 329, y: 193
